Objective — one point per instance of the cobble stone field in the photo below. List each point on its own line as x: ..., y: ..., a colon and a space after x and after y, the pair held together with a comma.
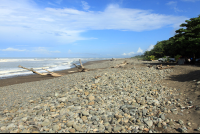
x: 128, y: 99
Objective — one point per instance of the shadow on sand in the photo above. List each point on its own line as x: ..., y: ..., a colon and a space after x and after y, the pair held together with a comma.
x: 192, y: 75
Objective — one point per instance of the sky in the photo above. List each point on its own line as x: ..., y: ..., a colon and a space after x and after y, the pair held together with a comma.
x: 89, y: 28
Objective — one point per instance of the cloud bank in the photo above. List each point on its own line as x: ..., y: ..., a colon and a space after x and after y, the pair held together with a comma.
x: 128, y: 54
x: 139, y: 51
x: 24, y: 19
x: 40, y: 50
x: 12, y: 49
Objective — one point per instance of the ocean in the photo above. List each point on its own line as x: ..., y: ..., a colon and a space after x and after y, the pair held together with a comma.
x: 9, y: 66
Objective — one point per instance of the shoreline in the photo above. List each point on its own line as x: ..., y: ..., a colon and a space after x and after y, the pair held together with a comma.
x: 35, y: 77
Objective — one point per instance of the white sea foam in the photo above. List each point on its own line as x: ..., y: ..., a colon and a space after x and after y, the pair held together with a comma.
x: 9, y: 66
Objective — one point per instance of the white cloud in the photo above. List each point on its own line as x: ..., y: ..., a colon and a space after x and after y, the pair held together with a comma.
x: 150, y: 47
x: 58, y: 1
x: 173, y: 5
x: 46, y: 19
x: 65, y: 25
x: 39, y: 50
x: 139, y: 50
x: 21, y: 45
x: 128, y: 54
x: 132, y: 53
x: 55, y: 51
x: 85, y: 5
x: 177, y: 10
x: 12, y: 49
x: 51, y: 4
x: 44, y: 50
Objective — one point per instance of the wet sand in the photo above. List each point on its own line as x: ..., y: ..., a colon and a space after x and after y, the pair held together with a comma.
x: 36, y: 77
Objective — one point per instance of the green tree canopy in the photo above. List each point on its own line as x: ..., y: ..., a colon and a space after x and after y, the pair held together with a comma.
x: 185, y: 42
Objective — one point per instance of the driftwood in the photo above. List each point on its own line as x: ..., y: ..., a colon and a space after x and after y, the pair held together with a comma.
x: 43, y: 74
x: 83, y: 70
x: 80, y: 67
x: 112, y: 59
x: 149, y: 66
x: 121, y: 64
x: 160, y: 67
x: 52, y: 73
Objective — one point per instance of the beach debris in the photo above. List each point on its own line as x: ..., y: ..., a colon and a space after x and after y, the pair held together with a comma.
x: 148, y: 65
x: 80, y: 67
x: 71, y: 71
x: 160, y: 67
x: 121, y: 64
x: 43, y: 74
x: 113, y: 59
x: 52, y: 73
x: 188, y: 107
x: 96, y: 77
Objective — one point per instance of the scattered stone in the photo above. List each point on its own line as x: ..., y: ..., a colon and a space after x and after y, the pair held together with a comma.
x: 189, y: 124
x: 180, y: 122
x: 108, y: 128
x: 146, y: 129
x: 72, y: 130
x: 85, y: 113
x: 56, y: 127
x: 116, y: 129
x: 91, y: 98
x: 149, y: 123
x: 46, y: 122
x: 77, y: 127
x: 118, y: 116
x: 70, y: 123
x: 159, y: 125
x: 198, y: 129
x: 162, y: 116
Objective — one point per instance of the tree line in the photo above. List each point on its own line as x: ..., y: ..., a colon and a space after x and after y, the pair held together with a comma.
x: 185, y: 42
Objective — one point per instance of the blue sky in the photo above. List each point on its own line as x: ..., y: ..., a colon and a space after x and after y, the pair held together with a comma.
x: 89, y: 28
